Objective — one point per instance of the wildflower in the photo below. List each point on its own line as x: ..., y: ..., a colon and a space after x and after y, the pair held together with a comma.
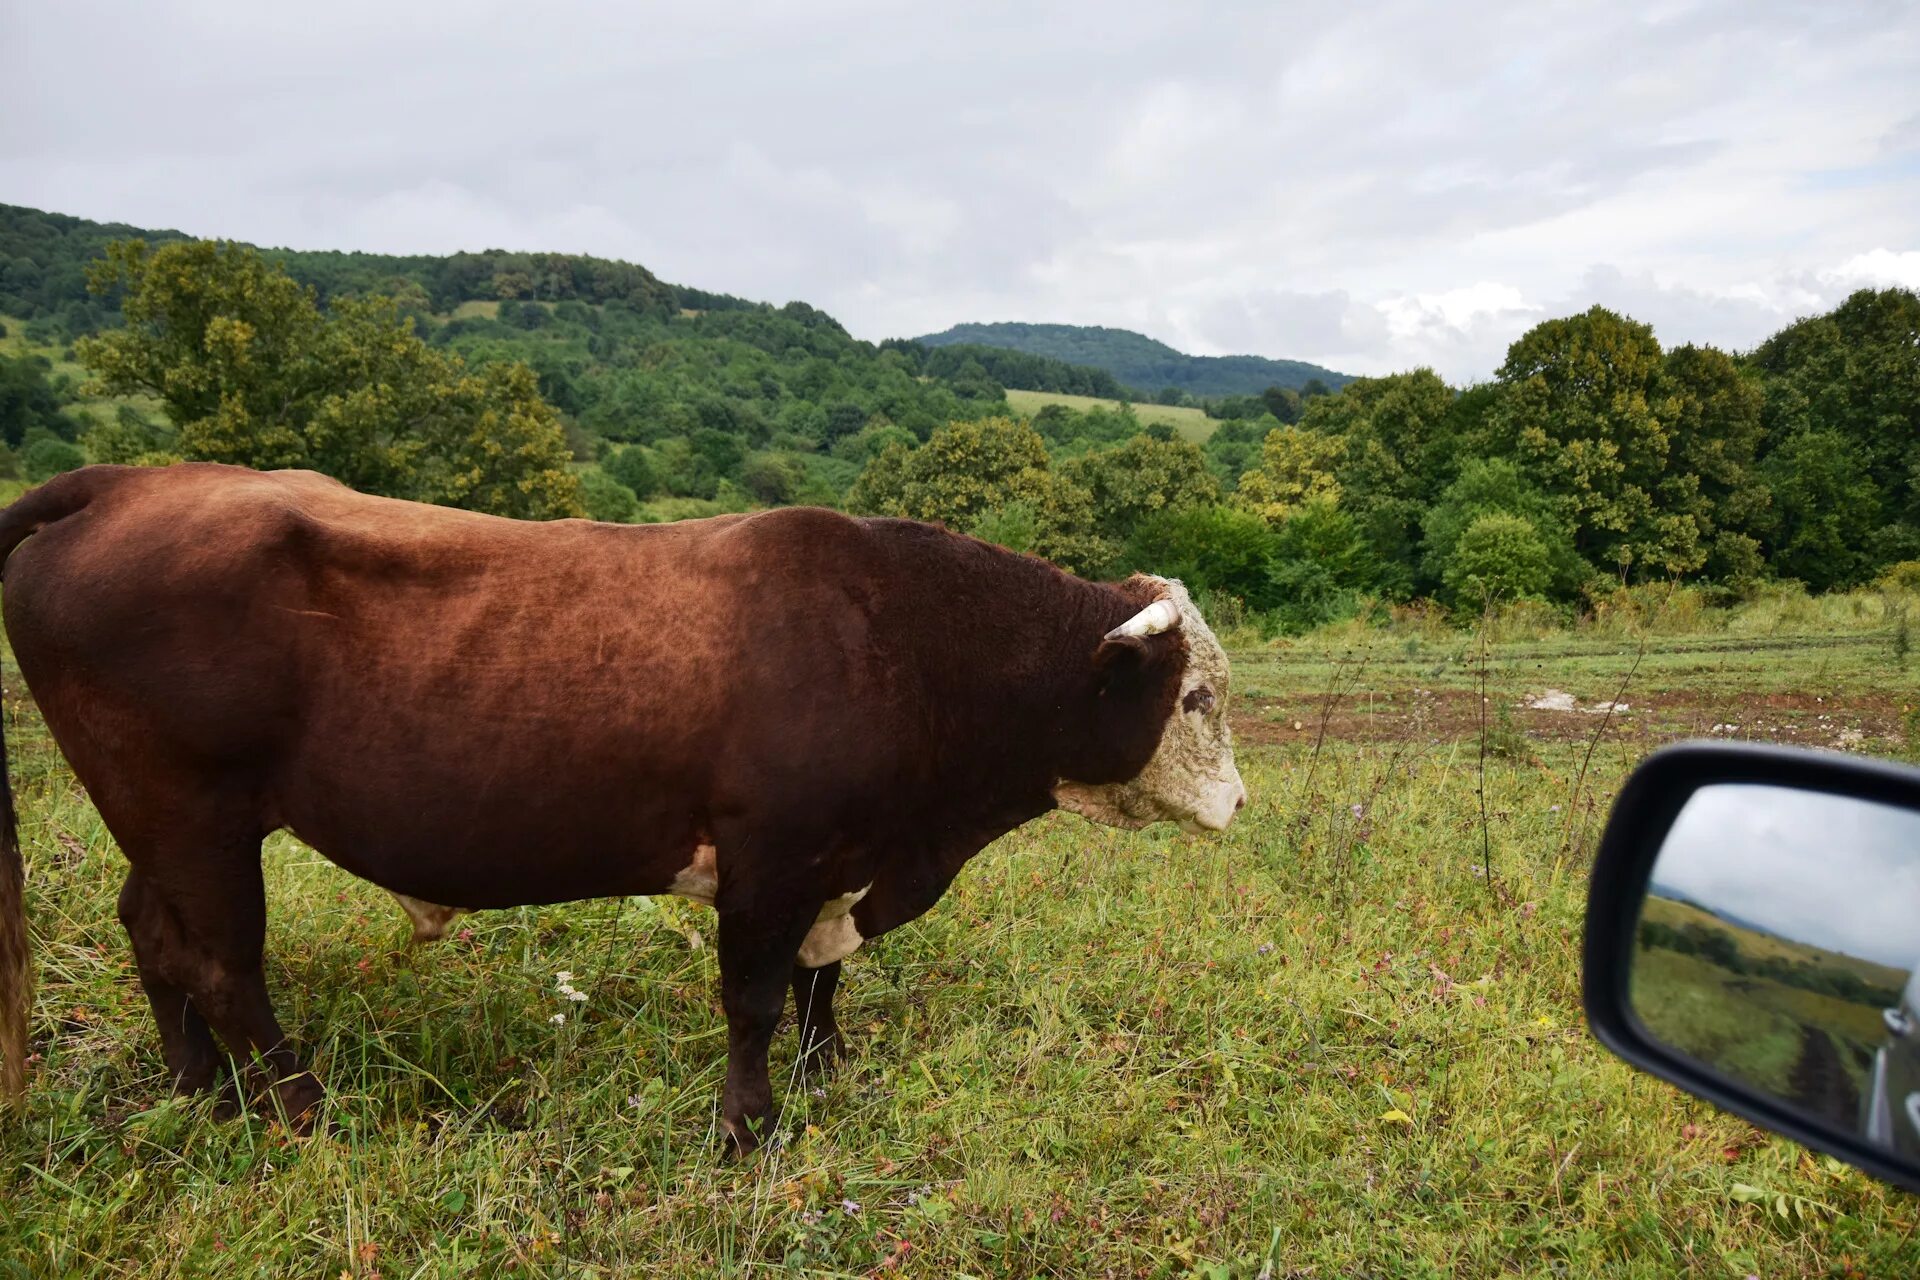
x: 1264, y: 948
x: 635, y: 1100
x: 850, y: 1207
x: 563, y: 977
x: 558, y: 1019
x: 575, y: 996
x: 1358, y: 810
x: 819, y: 1092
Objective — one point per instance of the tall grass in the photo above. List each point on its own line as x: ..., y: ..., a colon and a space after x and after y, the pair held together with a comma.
x: 1316, y: 1045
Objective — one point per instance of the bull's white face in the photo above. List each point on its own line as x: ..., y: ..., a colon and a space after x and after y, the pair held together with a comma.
x: 1191, y: 779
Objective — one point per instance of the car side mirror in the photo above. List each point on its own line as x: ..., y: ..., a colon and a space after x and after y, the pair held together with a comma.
x: 1753, y: 936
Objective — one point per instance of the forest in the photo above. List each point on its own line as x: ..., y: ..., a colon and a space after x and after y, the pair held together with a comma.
x: 1136, y: 360
x: 545, y: 385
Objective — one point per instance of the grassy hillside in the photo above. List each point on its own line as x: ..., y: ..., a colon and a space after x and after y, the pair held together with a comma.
x: 1322, y: 1044
x: 1192, y: 424
x: 1759, y: 945
x: 1141, y: 362
x: 1765, y: 1026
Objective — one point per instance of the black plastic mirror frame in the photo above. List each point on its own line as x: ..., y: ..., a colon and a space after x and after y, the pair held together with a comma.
x: 1642, y: 815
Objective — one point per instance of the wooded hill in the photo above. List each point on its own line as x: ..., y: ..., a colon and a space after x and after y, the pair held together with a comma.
x: 1137, y: 361
x: 542, y: 385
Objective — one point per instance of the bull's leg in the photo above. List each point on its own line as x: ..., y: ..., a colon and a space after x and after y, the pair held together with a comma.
x: 211, y: 903
x: 758, y: 942
x: 813, y: 1003
x: 430, y: 920
x: 193, y: 1060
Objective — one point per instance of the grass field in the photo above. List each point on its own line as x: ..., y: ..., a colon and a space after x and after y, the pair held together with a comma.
x: 1343, y: 1039
x: 15, y: 343
x: 1192, y: 424
x: 1807, y: 1046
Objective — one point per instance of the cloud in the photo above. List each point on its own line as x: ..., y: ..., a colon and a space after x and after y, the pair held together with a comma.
x: 1374, y: 187
x: 1833, y: 871
x: 1880, y: 267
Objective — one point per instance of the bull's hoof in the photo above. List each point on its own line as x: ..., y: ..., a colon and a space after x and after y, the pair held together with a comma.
x: 296, y: 1102
x: 821, y: 1055
x: 742, y: 1137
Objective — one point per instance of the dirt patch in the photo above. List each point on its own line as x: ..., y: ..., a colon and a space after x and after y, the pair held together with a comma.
x: 1653, y: 716
x: 1820, y: 1083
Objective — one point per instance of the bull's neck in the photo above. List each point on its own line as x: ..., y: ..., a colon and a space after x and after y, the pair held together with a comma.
x: 1023, y: 687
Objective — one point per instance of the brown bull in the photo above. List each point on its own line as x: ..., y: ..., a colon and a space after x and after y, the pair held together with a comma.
x: 809, y: 721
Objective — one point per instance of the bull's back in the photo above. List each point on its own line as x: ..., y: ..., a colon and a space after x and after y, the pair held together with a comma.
x: 431, y: 697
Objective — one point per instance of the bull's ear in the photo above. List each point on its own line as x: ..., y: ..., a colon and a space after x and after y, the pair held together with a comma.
x: 1118, y: 658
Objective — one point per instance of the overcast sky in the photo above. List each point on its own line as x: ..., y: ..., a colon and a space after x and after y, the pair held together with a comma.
x: 1836, y: 872
x: 1370, y: 186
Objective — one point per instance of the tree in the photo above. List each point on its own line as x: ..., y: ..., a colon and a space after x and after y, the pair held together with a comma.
x: 772, y: 479
x: 968, y: 470
x: 632, y: 468
x: 1215, y: 548
x: 1856, y: 371
x: 47, y: 456
x: 28, y: 399
x: 1296, y: 467
x: 1495, y: 486
x: 1498, y: 557
x: 1712, y: 414
x: 605, y: 498
x: 1141, y: 477
x: 250, y: 370
x: 1826, y: 507
x: 129, y: 439
x: 1322, y: 565
x: 1283, y: 403
x: 1234, y: 447
x: 1393, y: 460
x: 1576, y: 412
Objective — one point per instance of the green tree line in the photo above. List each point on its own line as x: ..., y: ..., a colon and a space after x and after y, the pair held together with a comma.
x: 1593, y: 457
x: 1721, y: 948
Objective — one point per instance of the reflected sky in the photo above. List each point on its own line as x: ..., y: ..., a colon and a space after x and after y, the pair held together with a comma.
x: 1832, y: 871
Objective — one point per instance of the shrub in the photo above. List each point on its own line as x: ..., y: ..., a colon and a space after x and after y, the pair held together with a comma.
x: 605, y: 498
x: 47, y: 457
x: 633, y: 468
x: 1488, y: 486
x: 1498, y: 557
x: 1904, y: 576
x: 772, y: 479
x: 1212, y: 548
x: 1014, y: 526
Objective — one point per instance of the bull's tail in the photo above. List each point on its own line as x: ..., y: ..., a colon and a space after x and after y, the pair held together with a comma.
x: 58, y: 498
x: 16, y: 972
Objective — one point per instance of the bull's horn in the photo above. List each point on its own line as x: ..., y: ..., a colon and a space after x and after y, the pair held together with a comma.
x: 1161, y: 615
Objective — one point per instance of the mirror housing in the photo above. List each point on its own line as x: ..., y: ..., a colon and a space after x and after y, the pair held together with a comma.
x: 1643, y: 817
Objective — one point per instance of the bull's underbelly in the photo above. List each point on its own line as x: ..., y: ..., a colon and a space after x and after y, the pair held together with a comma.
x: 833, y: 936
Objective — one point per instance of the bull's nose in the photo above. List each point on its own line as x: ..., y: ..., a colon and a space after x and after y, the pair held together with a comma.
x: 1241, y: 803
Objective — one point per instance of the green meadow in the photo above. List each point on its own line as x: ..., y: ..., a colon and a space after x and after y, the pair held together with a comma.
x: 1192, y: 424
x: 1342, y: 1039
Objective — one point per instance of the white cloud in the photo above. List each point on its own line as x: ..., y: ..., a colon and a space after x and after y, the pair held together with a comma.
x: 1833, y: 871
x: 1881, y: 267
x: 1371, y: 186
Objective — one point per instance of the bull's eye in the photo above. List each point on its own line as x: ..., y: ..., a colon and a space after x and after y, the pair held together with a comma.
x: 1199, y: 698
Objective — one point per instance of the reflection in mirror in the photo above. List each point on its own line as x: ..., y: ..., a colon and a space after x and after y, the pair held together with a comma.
x: 1779, y: 945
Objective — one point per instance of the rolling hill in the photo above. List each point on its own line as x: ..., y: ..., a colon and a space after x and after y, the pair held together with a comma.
x: 1140, y: 362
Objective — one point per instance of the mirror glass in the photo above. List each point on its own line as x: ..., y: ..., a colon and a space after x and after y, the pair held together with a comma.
x: 1778, y: 945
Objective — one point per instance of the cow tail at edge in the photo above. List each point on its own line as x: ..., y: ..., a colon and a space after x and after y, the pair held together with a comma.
x: 16, y: 971
x: 58, y: 498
